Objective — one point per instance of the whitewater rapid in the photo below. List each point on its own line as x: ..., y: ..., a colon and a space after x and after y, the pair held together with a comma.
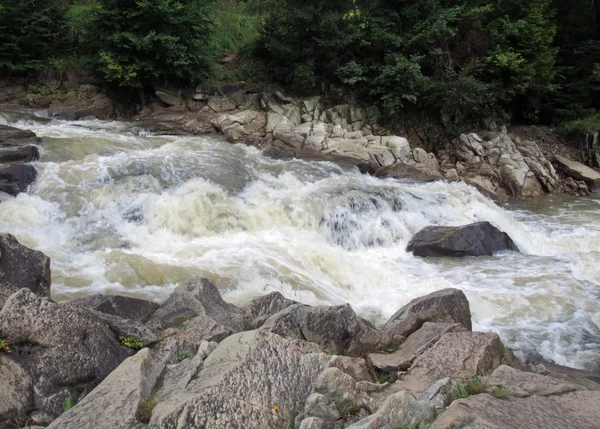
x: 119, y: 210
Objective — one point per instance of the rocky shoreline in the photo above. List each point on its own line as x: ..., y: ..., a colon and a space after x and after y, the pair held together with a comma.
x: 499, y: 164
x: 196, y: 361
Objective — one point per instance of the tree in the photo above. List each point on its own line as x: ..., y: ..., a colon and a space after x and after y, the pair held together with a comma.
x: 31, y: 31
x: 144, y: 41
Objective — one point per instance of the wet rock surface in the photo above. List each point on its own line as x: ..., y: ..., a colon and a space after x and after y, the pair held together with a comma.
x: 477, y: 239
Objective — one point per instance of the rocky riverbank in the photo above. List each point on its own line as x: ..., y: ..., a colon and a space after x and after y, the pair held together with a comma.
x: 500, y: 164
x: 196, y: 361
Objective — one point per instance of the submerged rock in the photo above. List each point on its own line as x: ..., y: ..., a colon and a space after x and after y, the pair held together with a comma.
x: 477, y: 239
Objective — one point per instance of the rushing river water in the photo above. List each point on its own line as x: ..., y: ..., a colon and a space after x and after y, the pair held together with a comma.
x: 120, y: 211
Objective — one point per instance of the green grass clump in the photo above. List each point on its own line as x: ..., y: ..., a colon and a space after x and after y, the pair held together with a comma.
x: 4, y: 346
x: 472, y: 386
x: 134, y: 343
x: 501, y: 393
x: 69, y: 403
x: 186, y: 354
x: 145, y: 409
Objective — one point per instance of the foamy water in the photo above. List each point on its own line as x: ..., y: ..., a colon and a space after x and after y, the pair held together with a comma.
x: 121, y: 211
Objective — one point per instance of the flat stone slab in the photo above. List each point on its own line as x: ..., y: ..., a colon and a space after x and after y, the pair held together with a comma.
x: 413, y: 347
x: 577, y: 170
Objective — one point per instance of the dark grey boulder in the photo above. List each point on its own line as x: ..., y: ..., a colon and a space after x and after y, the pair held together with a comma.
x: 444, y: 306
x: 11, y: 136
x: 65, y: 349
x: 259, y: 309
x: 337, y: 329
x: 15, y: 179
x: 476, y: 239
x: 124, y: 307
x: 22, y: 267
x: 401, y: 170
x: 19, y: 154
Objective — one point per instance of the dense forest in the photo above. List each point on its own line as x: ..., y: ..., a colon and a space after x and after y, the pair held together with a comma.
x: 529, y: 61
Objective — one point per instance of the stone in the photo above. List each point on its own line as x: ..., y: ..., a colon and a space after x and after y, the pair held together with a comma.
x: 19, y: 154
x: 355, y: 367
x: 400, y: 170
x: 290, y: 111
x: 523, y: 384
x: 259, y: 309
x: 321, y: 406
x: 68, y: 349
x: 15, y: 179
x: 577, y: 170
x: 399, y: 410
x: 413, y: 347
x: 289, y: 137
x: 458, y: 355
x: 16, y: 389
x: 315, y: 143
x: 313, y: 423
x: 242, y: 385
x: 340, y: 388
x: 200, y: 97
x: 128, y: 328
x: 310, y: 104
x: 168, y: 99
x: 221, y: 104
x: 115, y: 402
x: 11, y: 136
x: 88, y: 91
x: 337, y: 329
x: 384, y: 158
x: 275, y: 120
x: 124, y: 307
x: 399, y: 146
x: 574, y: 410
x: 22, y: 267
x: 476, y: 239
x: 444, y: 306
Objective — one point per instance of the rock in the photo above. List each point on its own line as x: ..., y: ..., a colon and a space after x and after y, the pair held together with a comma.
x: 399, y: 146
x: 15, y: 179
x: 485, y: 186
x: 578, y: 171
x: 66, y: 349
x: 414, y: 346
x: 127, y: 328
x: 88, y: 91
x: 114, y: 404
x: 340, y: 388
x: 11, y: 136
x: 444, y: 306
x: 569, y: 411
x: 242, y: 385
x: 221, y: 104
x: 337, y: 329
x: 289, y: 111
x: 277, y: 153
x: 400, y: 170
x: 321, y: 406
x: 19, y: 154
x: 524, y: 384
x: 310, y: 104
x: 384, y: 158
x: 289, y: 137
x: 477, y: 239
x: 275, y: 120
x: 458, y: 355
x: 259, y: 309
x: 313, y: 423
x: 399, y: 410
x: 21, y: 267
x: 122, y: 306
x: 16, y: 389
x: 355, y: 367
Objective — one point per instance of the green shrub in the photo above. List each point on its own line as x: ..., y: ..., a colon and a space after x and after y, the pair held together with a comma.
x: 145, y: 409
x: 69, y: 403
x: 472, y: 386
x: 589, y: 124
x: 186, y: 354
x: 4, y: 346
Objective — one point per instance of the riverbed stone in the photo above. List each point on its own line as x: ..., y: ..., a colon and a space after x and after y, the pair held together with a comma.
x: 458, y: 355
x: 401, y: 170
x: 574, y: 410
x: 15, y: 179
x: 64, y: 347
x: 22, y: 267
x: 124, y: 307
x: 115, y: 402
x: 16, y: 389
x: 477, y: 239
x: 578, y: 171
x: 443, y: 306
x: 337, y: 329
x: 415, y: 345
x: 242, y: 385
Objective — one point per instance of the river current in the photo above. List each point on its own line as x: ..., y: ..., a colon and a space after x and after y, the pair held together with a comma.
x: 119, y: 210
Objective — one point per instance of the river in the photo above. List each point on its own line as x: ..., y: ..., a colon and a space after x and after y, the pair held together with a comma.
x: 119, y: 210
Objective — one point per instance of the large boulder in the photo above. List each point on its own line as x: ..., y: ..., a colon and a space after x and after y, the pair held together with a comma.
x: 252, y: 380
x: 400, y: 170
x: 19, y: 154
x: 64, y: 349
x: 574, y: 410
x: 11, y: 136
x: 458, y: 355
x: 579, y: 171
x: 337, y: 329
x: 444, y: 306
x: 124, y: 307
x: 22, y: 267
x: 477, y: 239
x: 15, y: 179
